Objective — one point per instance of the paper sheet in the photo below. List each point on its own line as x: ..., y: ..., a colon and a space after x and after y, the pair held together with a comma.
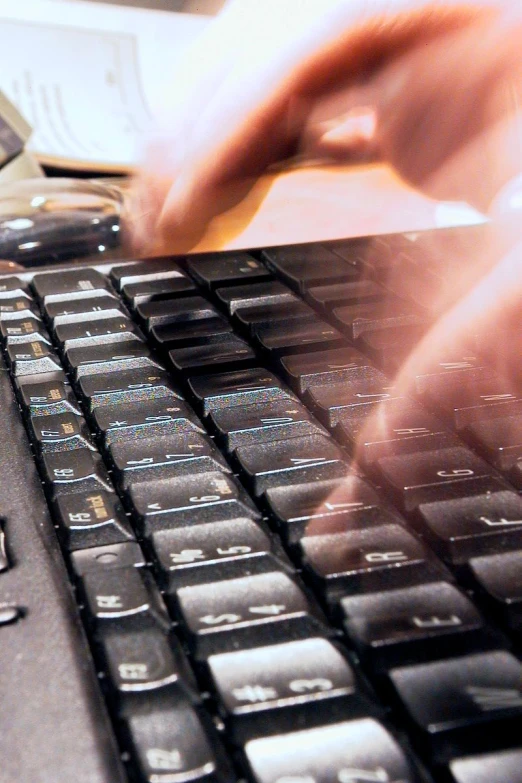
x: 88, y: 77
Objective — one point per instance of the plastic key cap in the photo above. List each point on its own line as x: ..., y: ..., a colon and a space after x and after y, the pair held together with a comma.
x: 74, y: 471
x: 264, y: 689
x: 361, y: 749
x: 32, y: 358
x: 503, y: 766
x: 23, y: 331
x: 71, y: 281
x: 302, y: 267
x: 60, y: 432
x: 144, y: 271
x: 227, y: 354
x: 153, y: 290
x: 242, y: 387
x: 271, y: 292
x: 141, y: 385
x: 47, y: 398
x: 249, y: 611
x: 118, y: 594
x: 220, y: 270
x: 105, y: 330
x: 298, y: 337
x: 180, y: 335
x: 83, y: 308
x: 323, y: 368
x: 292, y: 461
x: 171, y: 311
x: 463, y: 703
x: 191, y: 499
x: 97, y: 359
x: 144, y: 419
x: 89, y: 519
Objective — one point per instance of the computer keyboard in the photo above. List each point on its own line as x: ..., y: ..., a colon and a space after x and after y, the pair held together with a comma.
x: 234, y: 547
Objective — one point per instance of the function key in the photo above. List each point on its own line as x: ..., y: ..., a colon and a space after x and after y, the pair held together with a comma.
x: 480, y: 524
x: 10, y: 284
x: 418, y: 623
x: 351, y: 751
x: 170, y: 745
x: 23, y: 331
x: 71, y: 281
x: 17, y: 309
x: 140, y: 271
x: 242, y: 387
x: 255, y: 294
x: 60, y: 432
x: 116, y: 594
x: 47, y: 397
x: 249, y: 611
x: 88, y: 519
x: 221, y: 270
x: 74, y: 471
x: 261, y: 691
x: 154, y: 290
x: 460, y: 704
x: 32, y: 358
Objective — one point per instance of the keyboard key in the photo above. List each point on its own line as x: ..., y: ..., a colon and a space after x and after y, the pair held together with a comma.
x: 271, y: 292
x: 500, y: 579
x: 475, y: 398
x: 321, y: 507
x: 451, y: 366
x: 144, y: 661
x: 47, y: 398
x: 170, y: 745
x: 32, y: 358
x: 326, y: 297
x: 434, y: 475
x: 331, y: 403
x: 12, y: 283
x: 154, y: 290
x: 249, y: 611
x: 144, y: 271
x: 17, y: 309
x: 389, y: 348
x: 227, y: 354
x: 88, y: 519
x: 261, y: 423
x: 82, y: 308
x: 463, y: 703
x: 23, y: 331
x: 175, y: 455
x: 400, y: 427
x: 98, y: 332
x: 127, y: 386
x: 302, y: 267
x: 109, y: 556
x: 364, y: 560
x: 146, y: 419
x: 297, y: 337
x: 351, y: 751
x: 242, y: 387
x: 268, y: 688
x: 71, y: 281
x: 424, y: 622
x: 74, y: 471
x: 100, y: 359
x: 117, y: 594
x: 170, y: 311
x: 183, y: 334
x: 356, y: 319
x: 293, y: 461
x: 504, y: 766
x: 467, y: 527
x: 192, y: 499
x: 60, y: 432
x: 499, y: 440
x: 220, y: 270
x: 257, y: 316
x: 325, y: 368
x: 204, y: 553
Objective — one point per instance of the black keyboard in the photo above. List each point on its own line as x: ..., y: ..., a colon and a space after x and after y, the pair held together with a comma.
x: 233, y: 547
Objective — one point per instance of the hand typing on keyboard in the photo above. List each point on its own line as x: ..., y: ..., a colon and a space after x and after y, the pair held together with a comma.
x: 434, y: 88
